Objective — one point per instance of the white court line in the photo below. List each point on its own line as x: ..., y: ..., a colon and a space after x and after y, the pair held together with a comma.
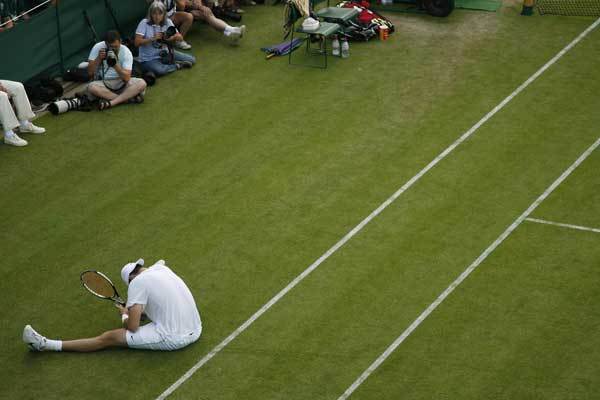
x: 371, y: 216
x: 466, y: 273
x: 578, y: 227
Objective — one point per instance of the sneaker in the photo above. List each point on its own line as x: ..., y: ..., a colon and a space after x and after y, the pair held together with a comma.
x: 34, y: 340
x: 184, y: 64
x: 242, y: 31
x: 31, y: 128
x: 183, y: 45
x: 14, y: 140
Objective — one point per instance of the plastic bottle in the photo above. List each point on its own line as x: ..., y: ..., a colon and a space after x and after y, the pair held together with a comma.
x: 335, y: 46
x: 345, y: 48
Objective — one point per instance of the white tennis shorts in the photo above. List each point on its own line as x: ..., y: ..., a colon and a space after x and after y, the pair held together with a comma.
x: 147, y: 338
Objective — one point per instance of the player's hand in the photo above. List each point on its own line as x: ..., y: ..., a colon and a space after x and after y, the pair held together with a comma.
x: 122, y: 310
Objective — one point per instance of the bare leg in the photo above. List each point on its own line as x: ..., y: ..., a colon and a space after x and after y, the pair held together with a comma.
x: 205, y: 14
x: 134, y: 87
x: 114, y: 338
x: 102, y: 92
x: 183, y: 21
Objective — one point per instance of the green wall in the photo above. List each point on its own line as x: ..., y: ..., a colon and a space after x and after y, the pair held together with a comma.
x: 58, y: 37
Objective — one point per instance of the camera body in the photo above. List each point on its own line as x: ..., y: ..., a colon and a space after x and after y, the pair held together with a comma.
x: 111, y: 56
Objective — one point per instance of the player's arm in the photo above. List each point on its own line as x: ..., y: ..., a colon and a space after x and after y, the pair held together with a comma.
x: 132, y: 323
x: 131, y: 316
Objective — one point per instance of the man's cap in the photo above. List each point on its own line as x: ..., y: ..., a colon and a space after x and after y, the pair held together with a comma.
x: 127, y: 268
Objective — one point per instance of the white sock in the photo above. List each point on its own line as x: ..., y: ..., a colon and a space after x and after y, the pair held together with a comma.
x: 53, y: 345
x: 24, y: 123
x: 228, y: 30
x: 9, y: 133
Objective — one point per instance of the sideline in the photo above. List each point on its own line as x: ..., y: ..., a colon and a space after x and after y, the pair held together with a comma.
x: 466, y: 273
x: 371, y: 216
x: 578, y: 227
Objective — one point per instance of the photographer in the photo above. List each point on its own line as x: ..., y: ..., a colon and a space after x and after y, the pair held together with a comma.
x: 204, y: 13
x: 110, y: 64
x: 155, y: 36
x: 182, y: 20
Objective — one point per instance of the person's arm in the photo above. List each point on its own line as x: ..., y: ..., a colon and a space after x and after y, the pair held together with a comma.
x: 131, y: 317
x: 95, y: 58
x: 124, y: 65
x: 141, y: 41
x: 124, y: 74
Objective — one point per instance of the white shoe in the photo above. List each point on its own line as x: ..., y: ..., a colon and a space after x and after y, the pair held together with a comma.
x: 31, y: 128
x: 183, y: 45
x: 34, y: 340
x: 14, y: 140
x: 242, y: 31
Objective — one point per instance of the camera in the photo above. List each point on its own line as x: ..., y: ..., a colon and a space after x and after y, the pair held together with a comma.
x: 170, y: 32
x: 111, y: 56
x: 79, y: 102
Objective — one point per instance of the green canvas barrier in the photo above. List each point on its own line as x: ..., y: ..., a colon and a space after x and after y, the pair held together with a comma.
x: 58, y: 37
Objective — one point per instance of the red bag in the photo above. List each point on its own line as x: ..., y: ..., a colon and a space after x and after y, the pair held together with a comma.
x: 367, y: 17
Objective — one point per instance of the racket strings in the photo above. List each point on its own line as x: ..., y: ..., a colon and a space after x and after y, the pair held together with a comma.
x: 97, y: 284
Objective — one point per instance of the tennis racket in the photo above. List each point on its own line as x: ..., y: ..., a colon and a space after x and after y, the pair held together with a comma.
x: 99, y: 285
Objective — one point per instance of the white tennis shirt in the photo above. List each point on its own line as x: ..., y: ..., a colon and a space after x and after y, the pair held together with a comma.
x: 166, y: 299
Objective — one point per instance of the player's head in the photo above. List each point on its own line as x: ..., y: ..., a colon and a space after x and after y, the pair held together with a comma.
x: 131, y: 270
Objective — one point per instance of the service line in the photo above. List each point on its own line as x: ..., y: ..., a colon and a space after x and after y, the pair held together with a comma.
x: 570, y: 226
x: 371, y: 216
x: 466, y: 273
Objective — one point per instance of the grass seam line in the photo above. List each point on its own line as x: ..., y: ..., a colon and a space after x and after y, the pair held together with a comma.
x: 560, y: 224
x: 371, y: 216
x: 415, y: 324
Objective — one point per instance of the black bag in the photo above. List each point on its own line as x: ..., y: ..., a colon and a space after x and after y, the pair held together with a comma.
x: 76, y: 75
x: 43, y: 90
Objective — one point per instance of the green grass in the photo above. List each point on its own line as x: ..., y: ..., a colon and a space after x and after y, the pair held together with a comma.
x: 241, y: 172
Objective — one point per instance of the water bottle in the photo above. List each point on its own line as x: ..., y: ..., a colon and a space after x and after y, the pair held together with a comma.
x: 335, y: 46
x: 345, y: 48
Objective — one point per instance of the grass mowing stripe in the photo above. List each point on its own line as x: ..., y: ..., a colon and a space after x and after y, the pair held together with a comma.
x: 466, y: 273
x: 373, y: 214
x: 578, y: 227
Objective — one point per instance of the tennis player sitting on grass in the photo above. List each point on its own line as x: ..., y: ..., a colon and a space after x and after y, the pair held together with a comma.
x: 155, y: 291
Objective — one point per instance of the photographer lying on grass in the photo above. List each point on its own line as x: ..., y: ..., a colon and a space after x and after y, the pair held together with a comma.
x: 110, y: 64
x: 155, y: 36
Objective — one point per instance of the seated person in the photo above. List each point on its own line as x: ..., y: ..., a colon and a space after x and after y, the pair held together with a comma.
x: 156, y: 53
x: 15, y: 91
x: 183, y: 20
x: 110, y: 64
x: 204, y: 13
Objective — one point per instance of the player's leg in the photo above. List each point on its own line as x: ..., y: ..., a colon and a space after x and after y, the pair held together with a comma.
x: 37, y: 342
x: 114, y: 338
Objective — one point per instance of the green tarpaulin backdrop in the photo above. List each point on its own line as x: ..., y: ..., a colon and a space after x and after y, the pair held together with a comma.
x: 59, y: 37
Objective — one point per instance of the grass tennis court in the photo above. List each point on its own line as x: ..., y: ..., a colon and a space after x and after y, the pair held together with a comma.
x: 242, y: 172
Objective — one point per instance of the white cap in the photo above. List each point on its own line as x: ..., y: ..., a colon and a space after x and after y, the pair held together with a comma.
x: 127, y: 268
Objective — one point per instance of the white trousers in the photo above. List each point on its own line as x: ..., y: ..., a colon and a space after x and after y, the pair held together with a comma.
x: 16, y: 93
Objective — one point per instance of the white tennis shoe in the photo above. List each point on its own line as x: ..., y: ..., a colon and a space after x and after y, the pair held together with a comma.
x: 31, y: 128
x: 34, y: 340
x: 14, y: 140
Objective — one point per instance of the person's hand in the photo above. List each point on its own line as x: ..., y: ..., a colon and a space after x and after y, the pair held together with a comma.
x: 102, y: 54
x: 176, y: 37
x: 122, y: 310
x: 158, y: 36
